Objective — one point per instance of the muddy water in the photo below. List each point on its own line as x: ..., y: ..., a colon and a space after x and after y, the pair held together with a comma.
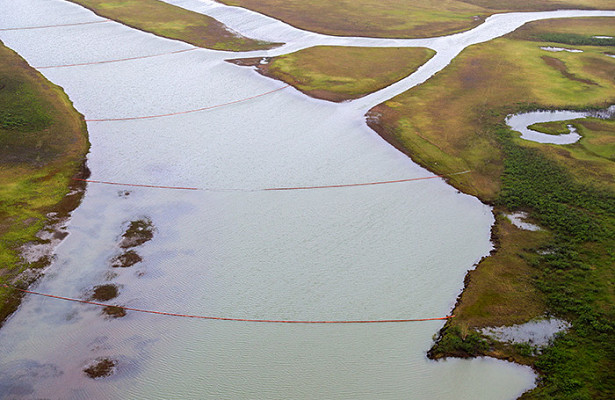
x: 380, y: 252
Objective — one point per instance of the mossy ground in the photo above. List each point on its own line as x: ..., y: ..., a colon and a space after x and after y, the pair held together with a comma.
x: 399, y: 18
x: 43, y: 142
x: 173, y: 22
x: 455, y: 121
x: 342, y: 73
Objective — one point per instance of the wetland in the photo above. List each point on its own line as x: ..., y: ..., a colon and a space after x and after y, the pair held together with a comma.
x: 256, y: 255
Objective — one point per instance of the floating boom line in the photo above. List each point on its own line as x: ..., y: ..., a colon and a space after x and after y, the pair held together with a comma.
x: 53, y: 26
x: 117, y: 59
x: 187, y: 111
x: 271, y: 189
x: 274, y: 321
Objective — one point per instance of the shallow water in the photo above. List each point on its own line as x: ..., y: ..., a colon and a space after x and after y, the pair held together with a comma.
x: 518, y: 220
x: 536, y: 333
x: 378, y: 252
x: 521, y: 123
x: 558, y: 49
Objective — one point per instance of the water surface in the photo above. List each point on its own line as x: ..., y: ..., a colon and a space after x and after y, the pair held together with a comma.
x: 380, y: 252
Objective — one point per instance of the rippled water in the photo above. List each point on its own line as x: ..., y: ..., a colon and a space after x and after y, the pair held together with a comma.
x: 388, y: 251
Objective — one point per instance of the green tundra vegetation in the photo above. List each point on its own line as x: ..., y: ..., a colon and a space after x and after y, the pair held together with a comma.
x: 456, y: 121
x: 501, y: 74
x: 399, y: 18
x: 451, y: 123
x: 43, y: 143
x: 342, y: 73
x: 174, y: 22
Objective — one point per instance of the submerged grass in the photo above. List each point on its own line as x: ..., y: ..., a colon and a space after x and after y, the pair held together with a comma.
x: 455, y: 121
x: 43, y: 142
x: 343, y: 73
x: 173, y: 22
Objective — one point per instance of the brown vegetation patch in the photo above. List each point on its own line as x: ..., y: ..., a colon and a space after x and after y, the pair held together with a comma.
x: 173, y: 22
x: 101, y: 368
x: 125, y: 260
x: 139, y: 231
x: 371, y: 18
x: 561, y: 67
x: 114, y: 312
x: 246, y: 62
x: 104, y: 292
x: 601, y: 67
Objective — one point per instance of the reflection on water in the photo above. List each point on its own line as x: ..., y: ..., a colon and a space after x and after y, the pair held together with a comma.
x: 387, y: 251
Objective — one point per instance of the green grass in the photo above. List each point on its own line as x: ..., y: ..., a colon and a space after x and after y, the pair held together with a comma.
x: 43, y: 142
x: 371, y: 18
x: 577, y: 31
x: 540, y: 5
x: 592, y: 158
x: 343, y: 73
x: 173, y: 22
x: 551, y: 128
x: 442, y: 123
x: 574, y: 39
x: 574, y: 274
x: 399, y: 18
x: 455, y: 121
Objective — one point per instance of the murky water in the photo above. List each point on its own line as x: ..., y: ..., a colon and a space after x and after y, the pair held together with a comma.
x: 388, y: 251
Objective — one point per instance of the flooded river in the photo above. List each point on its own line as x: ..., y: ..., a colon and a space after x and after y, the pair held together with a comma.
x: 390, y: 251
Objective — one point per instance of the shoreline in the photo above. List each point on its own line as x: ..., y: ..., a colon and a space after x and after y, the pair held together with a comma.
x: 39, y: 254
x: 340, y: 73
x: 380, y: 129
x: 40, y: 191
x: 196, y: 29
x: 255, y: 63
x: 486, y: 347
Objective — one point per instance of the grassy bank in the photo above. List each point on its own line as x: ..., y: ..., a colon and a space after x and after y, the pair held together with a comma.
x: 455, y: 121
x: 342, y: 73
x: 398, y: 18
x: 173, y: 22
x: 43, y: 142
x: 443, y: 123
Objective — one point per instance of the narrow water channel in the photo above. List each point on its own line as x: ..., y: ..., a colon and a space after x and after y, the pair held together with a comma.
x: 379, y: 252
x: 522, y: 122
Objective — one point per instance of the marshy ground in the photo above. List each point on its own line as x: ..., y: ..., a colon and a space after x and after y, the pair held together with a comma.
x: 398, y: 18
x: 173, y: 22
x: 43, y: 142
x: 451, y: 123
x: 337, y: 73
